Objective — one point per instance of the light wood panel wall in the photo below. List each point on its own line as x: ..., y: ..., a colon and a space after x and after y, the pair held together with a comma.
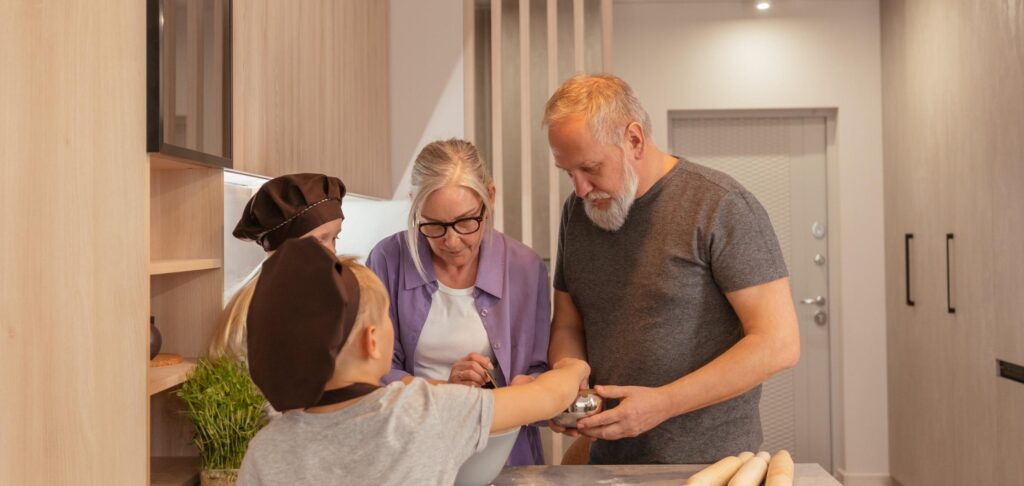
x: 311, y: 90
x: 73, y: 282
x: 952, y: 73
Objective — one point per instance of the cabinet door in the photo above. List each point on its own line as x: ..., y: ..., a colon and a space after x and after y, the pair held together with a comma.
x: 1007, y: 210
x: 918, y: 182
x: 311, y: 90
x: 911, y: 196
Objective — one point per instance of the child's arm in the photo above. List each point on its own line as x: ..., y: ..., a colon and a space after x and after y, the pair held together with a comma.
x: 541, y: 399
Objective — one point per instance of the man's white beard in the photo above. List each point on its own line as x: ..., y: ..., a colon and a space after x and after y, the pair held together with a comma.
x: 614, y: 217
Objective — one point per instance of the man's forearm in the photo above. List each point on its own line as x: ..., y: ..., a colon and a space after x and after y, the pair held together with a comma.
x: 748, y: 363
x: 566, y: 343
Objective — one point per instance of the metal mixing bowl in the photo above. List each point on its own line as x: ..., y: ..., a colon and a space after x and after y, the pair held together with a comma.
x: 587, y: 403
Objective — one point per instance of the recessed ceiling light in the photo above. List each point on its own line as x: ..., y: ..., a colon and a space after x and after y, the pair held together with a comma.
x: 764, y: 5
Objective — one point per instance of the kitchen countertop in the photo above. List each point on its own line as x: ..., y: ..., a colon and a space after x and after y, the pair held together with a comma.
x: 654, y: 474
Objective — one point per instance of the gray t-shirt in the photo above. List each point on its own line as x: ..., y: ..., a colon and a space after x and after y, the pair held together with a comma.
x: 400, y: 434
x: 652, y: 299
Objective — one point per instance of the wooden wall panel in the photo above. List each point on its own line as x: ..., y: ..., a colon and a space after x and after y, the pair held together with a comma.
x: 73, y: 254
x: 311, y: 90
x: 953, y: 116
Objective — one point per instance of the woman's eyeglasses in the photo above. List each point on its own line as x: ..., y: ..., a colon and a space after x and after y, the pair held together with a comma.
x: 462, y: 226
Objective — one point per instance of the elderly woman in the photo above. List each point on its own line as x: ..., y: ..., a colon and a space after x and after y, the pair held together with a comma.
x: 469, y: 304
x: 286, y: 207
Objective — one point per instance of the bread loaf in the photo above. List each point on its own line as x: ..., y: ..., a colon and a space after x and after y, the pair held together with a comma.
x: 780, y: 470
x: 717, y: 474
x: 752, y: 472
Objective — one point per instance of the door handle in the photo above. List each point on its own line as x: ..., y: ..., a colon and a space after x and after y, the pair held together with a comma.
x: 949, y: 292
x: 906, y: 258
x: 818, y: 301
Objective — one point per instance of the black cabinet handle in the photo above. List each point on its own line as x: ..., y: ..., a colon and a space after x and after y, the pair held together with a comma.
x: 906, y: 254
x: 949, y: 298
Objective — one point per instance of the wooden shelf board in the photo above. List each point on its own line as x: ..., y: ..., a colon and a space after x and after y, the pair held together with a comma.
x: 161, y: 267
x: 174, y: 471
x: 164, y: 377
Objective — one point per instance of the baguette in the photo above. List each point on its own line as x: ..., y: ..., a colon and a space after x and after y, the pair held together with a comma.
x: 752, y: 471
x: 780, y: 470
x: 717, y: 474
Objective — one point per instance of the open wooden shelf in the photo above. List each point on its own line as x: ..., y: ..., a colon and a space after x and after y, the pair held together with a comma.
x: 164, y: 377
x: 174, y: 471
x: 161, y: 267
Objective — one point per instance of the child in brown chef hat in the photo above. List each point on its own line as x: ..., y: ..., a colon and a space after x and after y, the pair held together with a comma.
x: 319, y: 341
x: 285, y: 207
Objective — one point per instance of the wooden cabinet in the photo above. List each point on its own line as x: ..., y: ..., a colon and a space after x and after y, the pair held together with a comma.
x: 73, y: 282
x: 311, y: 90
x: 947, y: 158
x: 186, y: 226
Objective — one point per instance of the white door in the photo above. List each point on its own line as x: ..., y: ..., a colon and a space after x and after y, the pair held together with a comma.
x: 781, y: 160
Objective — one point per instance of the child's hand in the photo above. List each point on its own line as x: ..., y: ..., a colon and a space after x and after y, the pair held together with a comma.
x: 470, y: 370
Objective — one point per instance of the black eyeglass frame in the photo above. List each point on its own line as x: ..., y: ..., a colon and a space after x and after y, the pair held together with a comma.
x: 452, y: 224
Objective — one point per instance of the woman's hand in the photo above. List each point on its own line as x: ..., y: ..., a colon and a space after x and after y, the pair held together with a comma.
x: 470, y: 370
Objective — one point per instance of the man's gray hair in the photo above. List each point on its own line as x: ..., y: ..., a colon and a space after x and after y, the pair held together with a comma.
x: 607, y: 103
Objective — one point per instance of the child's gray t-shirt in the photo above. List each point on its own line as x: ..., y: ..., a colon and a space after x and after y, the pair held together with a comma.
x: 400, y: 434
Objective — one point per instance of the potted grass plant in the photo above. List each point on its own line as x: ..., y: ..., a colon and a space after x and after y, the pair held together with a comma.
x: 227, y: 411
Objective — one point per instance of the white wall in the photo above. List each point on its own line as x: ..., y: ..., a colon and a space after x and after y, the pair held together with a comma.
x: 425, y: 62
x: 799, y: 54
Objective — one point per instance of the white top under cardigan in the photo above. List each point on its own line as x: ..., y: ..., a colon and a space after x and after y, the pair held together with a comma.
x: 452, y: 330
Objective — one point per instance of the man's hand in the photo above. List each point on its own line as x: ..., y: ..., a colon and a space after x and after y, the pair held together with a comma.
x: 640, y: 409
x: 470, y: 370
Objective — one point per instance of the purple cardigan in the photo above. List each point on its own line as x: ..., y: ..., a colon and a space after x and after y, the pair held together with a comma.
x: 512, y: 296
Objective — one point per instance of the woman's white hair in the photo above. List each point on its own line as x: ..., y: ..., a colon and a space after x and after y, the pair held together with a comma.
x: 439, y: 164
x: 607, y: 103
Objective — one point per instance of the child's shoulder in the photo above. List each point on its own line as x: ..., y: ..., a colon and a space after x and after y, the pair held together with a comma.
x: 421, y: 397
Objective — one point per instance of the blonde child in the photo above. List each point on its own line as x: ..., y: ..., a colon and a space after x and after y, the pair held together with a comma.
x: 319, y: 341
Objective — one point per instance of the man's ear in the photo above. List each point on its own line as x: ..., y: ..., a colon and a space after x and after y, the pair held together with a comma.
x: 369, y: 342
x: 636, y: 140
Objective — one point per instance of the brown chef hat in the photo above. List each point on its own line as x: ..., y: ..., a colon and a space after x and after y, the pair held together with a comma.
x: 289, y: 207
x: 302, y: 311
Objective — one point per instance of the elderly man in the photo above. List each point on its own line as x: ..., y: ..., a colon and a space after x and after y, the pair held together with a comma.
x: 669, y: 281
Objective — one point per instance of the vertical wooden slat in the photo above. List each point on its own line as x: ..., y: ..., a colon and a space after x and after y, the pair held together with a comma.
x: 606, y: 36
x: 497, y: 166
x: 554, y: 202
x: 526, y: 157
x: 469, y: 69
x: 577, y: 31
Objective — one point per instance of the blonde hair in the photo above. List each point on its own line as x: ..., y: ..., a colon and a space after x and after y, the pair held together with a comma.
x: 440, y: 164
x: 607, y: 103
x: 229, y: 340
x: 373, y: 297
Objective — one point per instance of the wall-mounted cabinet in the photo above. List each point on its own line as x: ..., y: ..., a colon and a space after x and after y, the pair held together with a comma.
x: 186, y: 220
x: 189, y: 79
x: 311, y: 90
